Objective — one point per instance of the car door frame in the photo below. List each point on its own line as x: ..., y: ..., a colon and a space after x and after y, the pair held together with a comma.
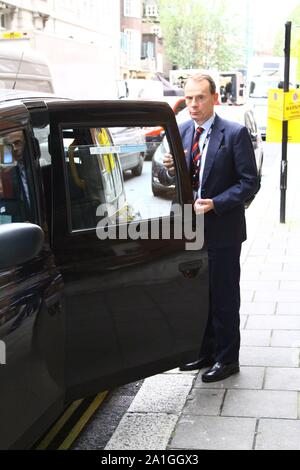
x: 32, y: 293
x: 66, y: 244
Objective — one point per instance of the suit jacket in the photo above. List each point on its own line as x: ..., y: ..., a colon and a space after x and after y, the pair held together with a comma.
x: 230, y: 178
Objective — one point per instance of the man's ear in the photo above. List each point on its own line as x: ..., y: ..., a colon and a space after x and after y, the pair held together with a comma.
x: 217, y: 98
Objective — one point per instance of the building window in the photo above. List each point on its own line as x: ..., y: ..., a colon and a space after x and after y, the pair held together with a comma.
x: 133, y: 46
x: 148, y: 50
x: 151, y: 10
x: 156, y: 30
x: 132, y: 8
x: 2, y: 22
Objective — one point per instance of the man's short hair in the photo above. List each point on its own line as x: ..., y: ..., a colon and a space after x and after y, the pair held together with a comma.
x: 199, y: 77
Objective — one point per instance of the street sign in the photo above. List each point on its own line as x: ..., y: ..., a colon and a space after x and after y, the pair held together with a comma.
x: 276, y: 104
x: 274, y: 131
x: 291, y: 105
x: 283, y: 106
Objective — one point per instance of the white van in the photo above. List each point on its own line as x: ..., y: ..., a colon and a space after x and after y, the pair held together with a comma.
x: 24, y: 70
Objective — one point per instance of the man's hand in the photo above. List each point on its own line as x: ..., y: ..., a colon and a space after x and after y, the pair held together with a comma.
x: 169, y: 164
x: 203, y: 206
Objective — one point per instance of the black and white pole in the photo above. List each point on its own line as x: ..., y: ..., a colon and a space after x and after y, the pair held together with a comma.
x: 286, y: 88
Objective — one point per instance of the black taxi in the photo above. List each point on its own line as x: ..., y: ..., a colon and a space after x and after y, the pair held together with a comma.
x: 83, y: 307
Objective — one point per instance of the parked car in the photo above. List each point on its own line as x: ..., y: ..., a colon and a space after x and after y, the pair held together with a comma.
x: 133, y: 158
x: 81, y: 313
x: 241, y: 114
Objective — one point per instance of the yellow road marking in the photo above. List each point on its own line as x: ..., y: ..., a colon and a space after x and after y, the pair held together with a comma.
x: 74, y: 433
x: 58, y: 425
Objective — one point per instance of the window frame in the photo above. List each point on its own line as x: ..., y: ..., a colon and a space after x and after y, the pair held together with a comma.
x: 29, y: 170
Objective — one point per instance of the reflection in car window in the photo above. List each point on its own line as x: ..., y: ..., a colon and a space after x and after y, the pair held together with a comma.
x: 93, y: 174
x: 16, y: 203
x: 42, y: 134
x: 106, y: 167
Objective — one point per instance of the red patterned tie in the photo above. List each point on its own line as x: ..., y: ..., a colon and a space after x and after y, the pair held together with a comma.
x: 196, y: 159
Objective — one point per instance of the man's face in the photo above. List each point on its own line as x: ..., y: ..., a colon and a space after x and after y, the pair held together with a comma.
x: 199, y: 100
x: 16, y: 140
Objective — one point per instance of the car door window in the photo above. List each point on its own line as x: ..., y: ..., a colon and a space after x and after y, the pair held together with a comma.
x: 16, y: 201
x: 106, y: 167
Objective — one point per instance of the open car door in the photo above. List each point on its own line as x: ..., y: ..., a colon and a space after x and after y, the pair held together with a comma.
x: 136, y: 294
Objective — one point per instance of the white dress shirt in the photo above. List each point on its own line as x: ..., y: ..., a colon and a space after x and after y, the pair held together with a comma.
x: 206, y: 126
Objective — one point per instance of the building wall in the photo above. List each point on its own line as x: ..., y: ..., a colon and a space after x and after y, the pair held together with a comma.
x: 79, y: 38
x: 87, y: 20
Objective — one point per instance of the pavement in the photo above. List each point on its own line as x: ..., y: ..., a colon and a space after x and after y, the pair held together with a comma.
x: 259, y: 408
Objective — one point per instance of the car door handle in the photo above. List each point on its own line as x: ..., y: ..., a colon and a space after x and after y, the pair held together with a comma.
x: 191, y: 268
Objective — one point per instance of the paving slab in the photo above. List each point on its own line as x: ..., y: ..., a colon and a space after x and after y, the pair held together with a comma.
x: 282, y: 378
x: 248, y: 378
x: 255, y: 337
x: 288, y: 308
x: 277, y: 296
x: 251, y: 275
x: 278, y: 434
x: 274, y: 322
x: 164, y: 393
x: 291, y: 267
x: 289, y: 339
x: 151, y: 431
x: 280, y: 275
x: 290, y: 285
x: 258, y: 285
x: 243, y: 321
x: 247, y: 295
x: 261, y: 404
x: 269, y: 356
x: 258, y: 308
x: 213, y: 433
x: 204, y: 402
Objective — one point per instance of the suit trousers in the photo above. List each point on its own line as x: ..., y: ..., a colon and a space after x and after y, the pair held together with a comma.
x: 222, y: 335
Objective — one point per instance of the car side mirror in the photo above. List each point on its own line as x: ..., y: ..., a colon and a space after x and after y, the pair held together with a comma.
x: 19, y: 243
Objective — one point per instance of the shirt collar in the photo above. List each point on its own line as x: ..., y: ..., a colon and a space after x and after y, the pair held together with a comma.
x: 207, y: 124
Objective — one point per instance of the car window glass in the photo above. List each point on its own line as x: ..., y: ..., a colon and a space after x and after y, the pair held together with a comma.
x: 16, y: 202
x: 111, y: 167
x: 42, y: 135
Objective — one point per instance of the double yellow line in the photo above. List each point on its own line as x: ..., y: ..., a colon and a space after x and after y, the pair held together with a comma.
x: 76, y: 429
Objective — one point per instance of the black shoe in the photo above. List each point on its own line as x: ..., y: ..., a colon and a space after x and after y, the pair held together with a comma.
x: 220, y: 371
x: 202, y: 362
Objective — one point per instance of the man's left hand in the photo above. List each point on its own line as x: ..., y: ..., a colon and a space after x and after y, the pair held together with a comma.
x: 204, y: 206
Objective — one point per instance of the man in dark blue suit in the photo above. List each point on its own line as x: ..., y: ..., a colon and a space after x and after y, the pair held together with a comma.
x: 220, y: 158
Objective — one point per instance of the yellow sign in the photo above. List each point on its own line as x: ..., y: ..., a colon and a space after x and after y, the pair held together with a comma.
x: 283, y: 107
x: 275, y: 104
x: 292, y: 105
x: 274, y: 131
